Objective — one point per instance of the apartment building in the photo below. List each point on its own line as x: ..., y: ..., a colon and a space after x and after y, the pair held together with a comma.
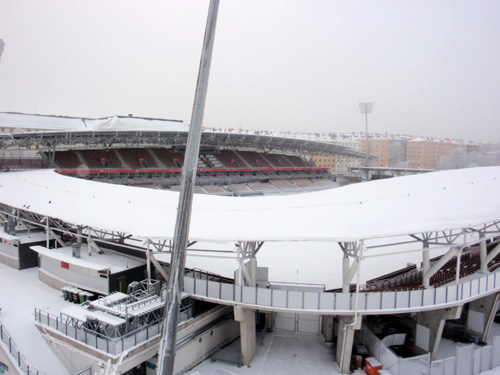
x: 427, y: 153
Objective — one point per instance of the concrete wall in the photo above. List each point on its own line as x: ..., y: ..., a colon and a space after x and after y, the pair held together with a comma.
x: 199, y: 349
x: 6, y: 362
x: 53, y: 274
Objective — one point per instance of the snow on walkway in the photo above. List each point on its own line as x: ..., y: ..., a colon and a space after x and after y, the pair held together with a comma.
x: 20, y: 293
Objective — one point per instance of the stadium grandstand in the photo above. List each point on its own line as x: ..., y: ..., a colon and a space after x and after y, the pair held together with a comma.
x: 150, y: 153
x: 89, y: 258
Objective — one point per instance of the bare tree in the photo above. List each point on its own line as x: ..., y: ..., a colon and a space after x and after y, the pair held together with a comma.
x: 396, y: 155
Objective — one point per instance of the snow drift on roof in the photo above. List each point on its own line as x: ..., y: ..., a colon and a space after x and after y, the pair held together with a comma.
x: 404, y: 205
x: 38, y: 122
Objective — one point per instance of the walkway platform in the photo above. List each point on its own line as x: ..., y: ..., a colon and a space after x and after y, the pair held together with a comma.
x: 281, y: 353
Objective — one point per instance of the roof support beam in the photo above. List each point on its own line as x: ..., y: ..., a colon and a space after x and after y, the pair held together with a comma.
x: 493, y: 253
x: 247, y: 250
x: 454, y: 251
x: 158, y: 266
x: 483, y: 253
x: 426, y: 265
x: 348, y: 271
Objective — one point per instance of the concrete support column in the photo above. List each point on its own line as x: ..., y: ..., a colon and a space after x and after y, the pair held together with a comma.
x: 345, y: 271
x: 483, y: 253
x: 252, y: 270
x: 269, y: 321
x: 327, y: 328
x: 248, y: 339
x: 482, y: 313
x: 345, y: 341
x: 426, y: 265
x: 491, y: 255
x: 430, y: 326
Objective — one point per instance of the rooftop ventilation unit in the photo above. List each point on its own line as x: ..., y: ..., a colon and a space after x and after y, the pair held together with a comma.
x: 76, y: 250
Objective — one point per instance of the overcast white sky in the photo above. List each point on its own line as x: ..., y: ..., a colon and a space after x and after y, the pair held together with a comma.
x: 431, y: 68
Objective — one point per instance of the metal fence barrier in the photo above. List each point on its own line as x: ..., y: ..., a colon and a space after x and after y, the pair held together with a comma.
x: 16, y: 354
x: 324, y: 302
x: 469, y: 359
x: 96, y: 340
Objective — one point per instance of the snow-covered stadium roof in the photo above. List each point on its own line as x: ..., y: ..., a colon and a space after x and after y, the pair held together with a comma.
x: 26, y: 122
x: 406, y: 205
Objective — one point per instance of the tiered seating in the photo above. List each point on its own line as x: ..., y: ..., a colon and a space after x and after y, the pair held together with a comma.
x: 207, y: 160
x: 97, y: 159
x: 263, y: 188
x: 138, y: 158
x: 170, y: 159
x: 215, y: 189
x: 67, y: 159
x: 255, y: 160
x: 326, y: 183
x: 286, y: 186
x: 308, y: 185
x: 409, y: 281
x: 495, y: 263
x: 295, y: 161
x: 197, y: 189
x: 278, y: 161
x: 21, y: 163
x: 230, y: 160
x: 241, y: 189
x: 469, y: 264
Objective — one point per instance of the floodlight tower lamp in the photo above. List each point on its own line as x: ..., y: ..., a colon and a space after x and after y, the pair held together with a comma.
x: 366, y: 108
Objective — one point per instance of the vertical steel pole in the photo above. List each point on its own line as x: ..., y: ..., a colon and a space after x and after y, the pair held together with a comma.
x: 366, y: 156
x: 166, y: 352
x: 366, y: 135
x: 366, y: 108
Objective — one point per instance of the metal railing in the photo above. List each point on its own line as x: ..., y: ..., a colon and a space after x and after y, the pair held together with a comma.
x: 113, y: 346
x: 110, y: 345
x: 85, y: 371
x: 344, y: 303
x: 16, y: 354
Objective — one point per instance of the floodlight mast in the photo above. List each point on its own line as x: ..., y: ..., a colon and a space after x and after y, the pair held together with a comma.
x: 166, y: 351
x: 366, y: 108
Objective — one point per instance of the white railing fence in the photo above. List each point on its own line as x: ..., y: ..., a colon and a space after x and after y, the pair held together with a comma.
x: 469, y: 359
x: 109, y: 345
x: 16, y: 354
x: 389, y: 301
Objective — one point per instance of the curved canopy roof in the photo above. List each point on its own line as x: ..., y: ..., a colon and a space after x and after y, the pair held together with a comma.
x: 62, y: 133
x: 61, y: 123
x: 405, y: 205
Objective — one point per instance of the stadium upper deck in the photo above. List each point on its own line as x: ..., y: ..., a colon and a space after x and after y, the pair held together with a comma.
x: 150, y: 152
x: 63, y: 133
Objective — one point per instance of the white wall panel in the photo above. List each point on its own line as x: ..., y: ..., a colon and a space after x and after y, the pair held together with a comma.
x: 279, y: 298
x: 388, y: 300
x: 342, y: 301
x: 311, y: 300
x: 264, y: 297
x: 213, y: 289
x: 402, y: 299
x: 249, y: 295
x: 295, y: 300
x: 326, y: 301
x: 227, y: 291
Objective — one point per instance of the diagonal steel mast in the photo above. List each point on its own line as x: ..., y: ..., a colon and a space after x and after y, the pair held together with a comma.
x: 166, y: 352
